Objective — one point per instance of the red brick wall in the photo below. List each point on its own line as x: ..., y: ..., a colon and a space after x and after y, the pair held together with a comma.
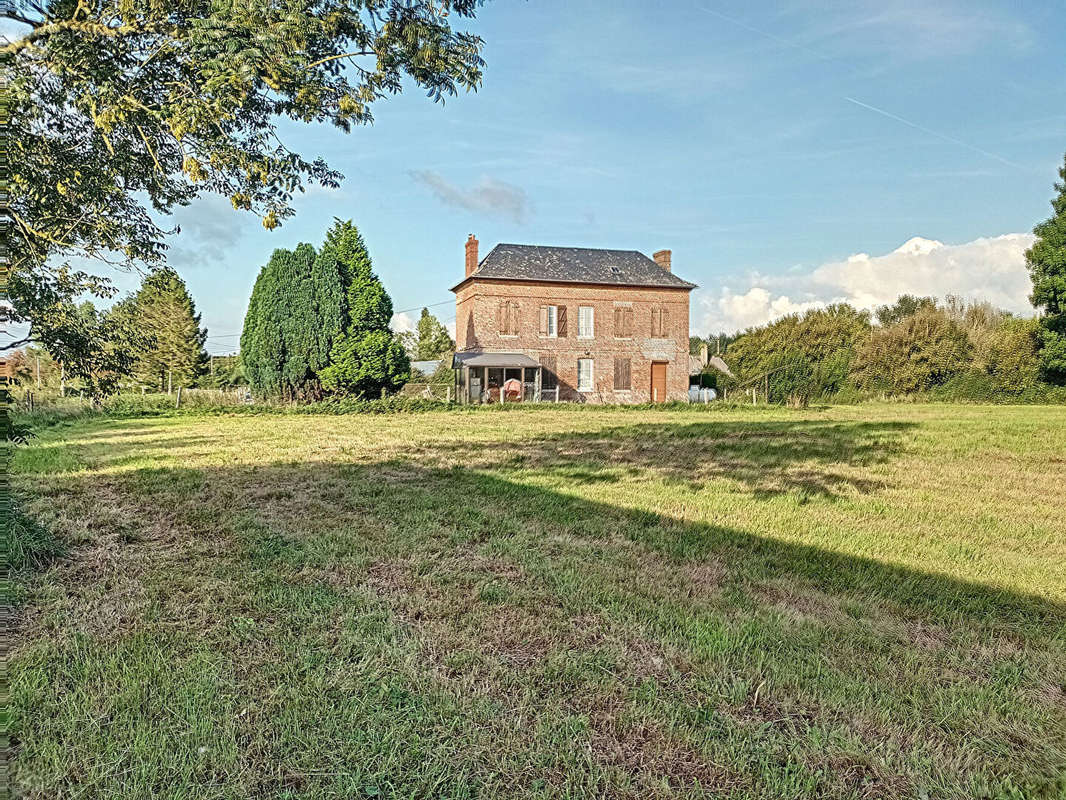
x: 477, y: 327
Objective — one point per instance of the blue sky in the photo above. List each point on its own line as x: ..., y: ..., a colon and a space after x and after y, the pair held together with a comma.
x: 782, y: 151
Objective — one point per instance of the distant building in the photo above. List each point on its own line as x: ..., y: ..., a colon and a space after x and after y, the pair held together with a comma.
x: 599, y: 326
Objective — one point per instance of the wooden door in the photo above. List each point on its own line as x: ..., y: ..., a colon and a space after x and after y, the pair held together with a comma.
x: 658, y: 381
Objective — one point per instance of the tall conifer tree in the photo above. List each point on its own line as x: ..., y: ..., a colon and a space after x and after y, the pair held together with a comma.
x: 366, y: 358
x: 169, y: 344
x: 1046, y: 260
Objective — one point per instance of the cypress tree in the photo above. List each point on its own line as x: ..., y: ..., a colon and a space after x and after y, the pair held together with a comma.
x: 1046, y: 260
x: 169, y: 346
x: 366, y: 358
x: 262, y: 348
x: 279, y: 343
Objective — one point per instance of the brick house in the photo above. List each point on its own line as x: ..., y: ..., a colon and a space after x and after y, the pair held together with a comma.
x: 582, y: 324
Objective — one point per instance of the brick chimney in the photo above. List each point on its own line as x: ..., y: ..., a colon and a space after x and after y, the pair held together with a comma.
x: 662, y: 258
x: 471, y: 255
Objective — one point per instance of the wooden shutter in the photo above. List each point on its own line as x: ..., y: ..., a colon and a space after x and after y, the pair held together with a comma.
x: 543, y: 320
x: 512, y: 325
x: 659, y: 323
x: 627, y: 322
x: 560, y: 324
x: 664, y: 322
x: 623, y: 380
x: 619, y: 321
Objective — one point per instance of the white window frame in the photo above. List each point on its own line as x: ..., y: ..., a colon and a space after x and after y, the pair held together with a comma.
x: 591, y: 334
x: 590, y: 386
x: 553, y: 322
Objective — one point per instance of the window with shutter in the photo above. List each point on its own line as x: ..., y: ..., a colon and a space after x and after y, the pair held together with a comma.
x: 623, y: 322
x: 622, y: 375
x: 562, y: 322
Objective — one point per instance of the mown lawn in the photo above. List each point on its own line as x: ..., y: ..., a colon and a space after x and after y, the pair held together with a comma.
x: 849, y: 602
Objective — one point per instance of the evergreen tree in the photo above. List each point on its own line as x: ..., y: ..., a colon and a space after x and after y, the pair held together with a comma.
x: 1046, y: 260
x: 168, y: 348
x: 280, y: 345
x: 431, y: 340
x: 366, y: 358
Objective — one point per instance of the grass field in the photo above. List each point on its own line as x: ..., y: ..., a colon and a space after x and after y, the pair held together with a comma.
x: 849, y: 602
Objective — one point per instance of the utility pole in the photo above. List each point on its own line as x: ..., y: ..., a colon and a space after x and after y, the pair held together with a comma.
x: 62, y: 380
x: 170, y: 381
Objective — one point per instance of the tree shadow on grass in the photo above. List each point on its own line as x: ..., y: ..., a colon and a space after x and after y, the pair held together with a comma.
x: 812, y: 457
x: 475, y: 564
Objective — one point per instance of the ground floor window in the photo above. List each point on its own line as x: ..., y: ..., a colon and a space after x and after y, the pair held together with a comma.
x: 584, y: 374
x: 548, y: 379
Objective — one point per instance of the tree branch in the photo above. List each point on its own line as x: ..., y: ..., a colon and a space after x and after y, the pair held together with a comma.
x: 17, y: 343
x: 322, y: 61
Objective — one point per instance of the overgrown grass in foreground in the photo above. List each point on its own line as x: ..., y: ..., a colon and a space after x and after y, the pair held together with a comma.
x: 859, y: 602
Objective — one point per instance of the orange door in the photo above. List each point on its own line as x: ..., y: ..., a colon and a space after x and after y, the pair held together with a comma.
x: 658, y: 381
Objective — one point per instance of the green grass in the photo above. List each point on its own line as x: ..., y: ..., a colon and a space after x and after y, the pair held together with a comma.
x: 850, y: 602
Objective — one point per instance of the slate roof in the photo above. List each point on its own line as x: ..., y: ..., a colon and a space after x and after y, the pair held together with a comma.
x: 527, y: 262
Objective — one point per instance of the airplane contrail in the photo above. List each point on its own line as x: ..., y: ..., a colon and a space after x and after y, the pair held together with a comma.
x: 931, y: 132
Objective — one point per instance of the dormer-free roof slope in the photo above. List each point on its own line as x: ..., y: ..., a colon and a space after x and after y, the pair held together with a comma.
x: 526, y: 262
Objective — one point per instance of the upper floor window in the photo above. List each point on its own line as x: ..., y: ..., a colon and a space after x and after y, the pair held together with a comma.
x: 660, y: 323
x: 508, y: 318
x: 549, y: 321
x: 623, y: 322
x: 585, y: 322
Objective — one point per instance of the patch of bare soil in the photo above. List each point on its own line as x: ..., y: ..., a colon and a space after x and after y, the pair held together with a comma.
x: 656, y: 762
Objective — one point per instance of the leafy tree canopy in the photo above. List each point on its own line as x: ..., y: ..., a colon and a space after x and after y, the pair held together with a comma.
x: 121, y: 111
x: 920, y: 352
x: 905, y: 305
x: 1046, y: 260
x: 430, y: 340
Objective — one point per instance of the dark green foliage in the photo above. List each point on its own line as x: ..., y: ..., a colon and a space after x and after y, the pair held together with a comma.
x: 905, y: 306
x: 167, y: 345
x: 1046, y: 260
x: 321, y: 321
x: 168, y: 100
x: 281, y: 341
x: 223, y: 372
x: 922, y: 351
x: 366, y: 363
x: 367, y: 358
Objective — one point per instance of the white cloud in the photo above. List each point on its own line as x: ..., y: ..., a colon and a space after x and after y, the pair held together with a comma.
x: 402, y: 323
x: 489, y: 195
x: 991, y: 269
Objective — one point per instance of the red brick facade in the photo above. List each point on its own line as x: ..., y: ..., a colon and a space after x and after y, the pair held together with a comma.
x: 632, y: 327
